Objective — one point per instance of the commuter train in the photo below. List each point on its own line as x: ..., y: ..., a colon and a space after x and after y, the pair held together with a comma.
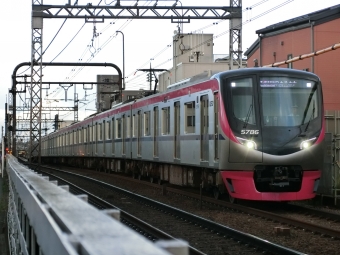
x: 253, y: 134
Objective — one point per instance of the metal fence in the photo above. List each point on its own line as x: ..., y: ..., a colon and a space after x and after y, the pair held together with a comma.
x: 44, y: 218
x: 330, y: 178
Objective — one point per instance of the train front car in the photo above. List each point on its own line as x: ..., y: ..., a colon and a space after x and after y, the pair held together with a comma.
x: 273, y: 134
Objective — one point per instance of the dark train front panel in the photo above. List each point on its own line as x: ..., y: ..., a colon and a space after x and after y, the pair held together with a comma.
x: 276, y: 133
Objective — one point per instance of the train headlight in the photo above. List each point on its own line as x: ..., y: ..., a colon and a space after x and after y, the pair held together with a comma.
x: 307, y: 143
x: 248, y: 143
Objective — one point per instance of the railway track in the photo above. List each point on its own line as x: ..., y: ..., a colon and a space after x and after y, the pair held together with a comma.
x: 320, y: 222
x: 207, y: 236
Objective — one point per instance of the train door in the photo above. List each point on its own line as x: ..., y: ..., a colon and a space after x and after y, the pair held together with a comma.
x: 96, y: 134
x: 139, y: 133
x: 73, y: 142
x: 119, y: 134
x: 87, y: 139
x: 113, y: 136
x: 91, y: 140
x: 204, y: 106
x: 177, y: 131
x: 155, y: 131
x: 216, y: 126
x: 123, y: 134
x: 75, y: 138
x: 128, y: 135
x: 79, y: 140
x: 104, y: 137
x: 60, y: 151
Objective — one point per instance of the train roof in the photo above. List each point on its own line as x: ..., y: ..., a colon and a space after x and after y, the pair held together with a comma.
x: 207, y: 75
x: 264, y: 70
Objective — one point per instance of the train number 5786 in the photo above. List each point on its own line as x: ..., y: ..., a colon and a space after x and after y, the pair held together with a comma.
x: 249, y: 132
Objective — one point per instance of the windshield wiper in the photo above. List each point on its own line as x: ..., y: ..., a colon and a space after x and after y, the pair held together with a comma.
x: 248, y: 116
x: 306, y: 110
x: 311, y: 116
x: 308, y: 103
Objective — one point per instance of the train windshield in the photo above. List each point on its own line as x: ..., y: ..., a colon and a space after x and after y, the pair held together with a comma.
x: 243, y: 100
x: 288, y: 101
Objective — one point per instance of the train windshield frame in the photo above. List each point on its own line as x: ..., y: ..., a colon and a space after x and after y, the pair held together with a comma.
x: 276, y: 109
x: 288, y: 101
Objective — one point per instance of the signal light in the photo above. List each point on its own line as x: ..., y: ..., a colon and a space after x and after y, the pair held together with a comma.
x: 149, y: 77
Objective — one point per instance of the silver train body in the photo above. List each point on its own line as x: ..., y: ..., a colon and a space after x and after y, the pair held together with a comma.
x: 233, y: 132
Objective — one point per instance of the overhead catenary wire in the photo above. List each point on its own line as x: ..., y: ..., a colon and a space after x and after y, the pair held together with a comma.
x: 224, y: 32
x: 75, y: 73
x: 121, y: 28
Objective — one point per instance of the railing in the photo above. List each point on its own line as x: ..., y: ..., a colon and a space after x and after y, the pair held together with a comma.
x: 44, y: 218
x: 330, y: 179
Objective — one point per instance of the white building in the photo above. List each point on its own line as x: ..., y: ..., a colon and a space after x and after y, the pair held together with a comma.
x: 192, y: 55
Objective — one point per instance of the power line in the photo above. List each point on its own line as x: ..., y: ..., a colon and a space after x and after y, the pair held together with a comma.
x: 68, y: 43
x: 164, y: 49
x: 226, y: 32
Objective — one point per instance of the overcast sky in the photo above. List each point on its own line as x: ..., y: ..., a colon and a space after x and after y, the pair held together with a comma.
x: 145, y: 41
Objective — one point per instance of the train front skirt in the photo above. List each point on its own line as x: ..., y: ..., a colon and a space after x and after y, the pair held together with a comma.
x: 242, y: 185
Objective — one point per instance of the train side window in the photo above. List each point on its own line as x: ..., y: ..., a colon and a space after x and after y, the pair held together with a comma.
x: 85, y: 135
x: 113, y: 128
x: 100, y: 132
x: 94, y: 132
x: 107, y: 130
x: 91, y: 133
x: 147, y: 123
x: 190, y: 117
x: 123, y: 127
x: 74, y: 136
x: 71, y: 138
x: 165, y: 120
x: 128, y: 126
x: 119, y: 128
x: 133, y: 125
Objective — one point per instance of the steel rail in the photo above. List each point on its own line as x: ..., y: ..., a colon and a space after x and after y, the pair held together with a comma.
x: 260, y: 213
x: 125, y: 217
x: 215, y: 227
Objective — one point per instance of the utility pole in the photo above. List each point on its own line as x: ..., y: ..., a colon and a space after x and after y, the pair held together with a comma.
x: 91, y: 14
x: 150, y: 74
x: 235, y: 37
